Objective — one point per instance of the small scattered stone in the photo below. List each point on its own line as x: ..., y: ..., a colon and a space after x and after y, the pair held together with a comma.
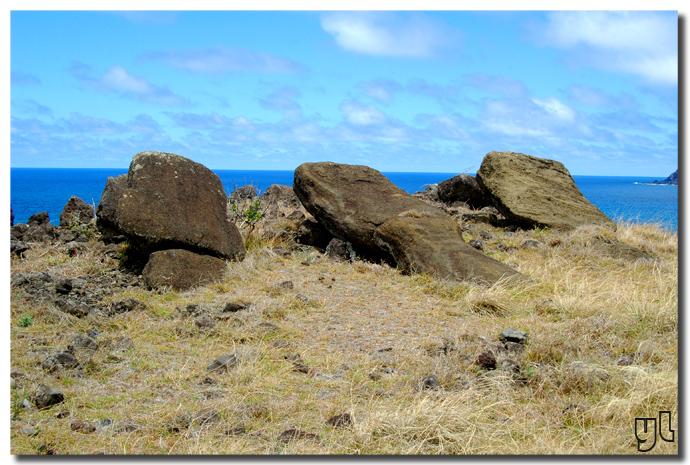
x: 510, y: 365
x: 514, y: 347
x: 281, y: 251
x: 224, y: 363
x: 340, y: 421
x: 431, y: 382
x: 232, y: 307
x: 62, y: 360
x: 105, y: 423
x: 93, y: 334
x: 286, y: 285
x: 62, y: 414
x: 207, y: 415
x: 64, y: 286
x: 126, y: 426
x: 82, y: 426
x: 298, y: 363
x: 125, y: 306
x: 179, y: 423
x: 236, y: 431
x: 625, y: 360
x: 29, y: 431
x: 270, y: 326
x: 486, y: 360
x: 513, y: 335
x: 43, y: 448
x: 80, y: 341
x: 204, y: 322
x: 26, y: 404
x: 530, y: 244
x: 303, y: 298
x: 294, y: 434
x: 477, y: 244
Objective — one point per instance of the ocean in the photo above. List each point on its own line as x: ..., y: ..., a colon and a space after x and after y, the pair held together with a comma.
x: 626, y: 198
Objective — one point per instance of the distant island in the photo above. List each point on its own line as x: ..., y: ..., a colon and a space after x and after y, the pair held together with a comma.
x: 672, y: 180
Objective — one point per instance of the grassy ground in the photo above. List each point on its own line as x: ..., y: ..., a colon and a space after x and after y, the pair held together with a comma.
x: 368, y: 337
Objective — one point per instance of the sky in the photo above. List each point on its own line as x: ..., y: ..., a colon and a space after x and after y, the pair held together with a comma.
x: 430, y: 91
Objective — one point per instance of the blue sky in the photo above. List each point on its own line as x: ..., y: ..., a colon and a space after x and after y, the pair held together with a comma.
x: 397, y: 91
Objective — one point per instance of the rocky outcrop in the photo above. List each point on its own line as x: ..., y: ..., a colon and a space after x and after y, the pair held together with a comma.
x: 37, y: 229
x: 76, y: 211
x: 435, y: 246
x: 463, y: 188
x: 172, y: 202
x: 181, y: 269
x: 531, y: 191
x: 672, y: 180
x: 351, y: 201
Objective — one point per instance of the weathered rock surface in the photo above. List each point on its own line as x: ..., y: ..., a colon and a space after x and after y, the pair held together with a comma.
x: 107, y: 206
x: 279, y: 193
x: 47, y: 396
x: 463, y: 188
x: 351, y: 201
x: 172, y: 202
x: 435, y: 246
x: 38, y: 228
x: 181, y: 269
x: 76, y: 211
x: 244, y: 192
x: 531, y: 191
x: 310, y: 232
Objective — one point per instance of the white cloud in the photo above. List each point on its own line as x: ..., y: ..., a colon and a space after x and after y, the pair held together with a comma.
x: 361, y: 114
x: 636, y: 42
x: 555, y: 107
x: 219, y: 60
x: 388, y: 34
x: 117, y: 79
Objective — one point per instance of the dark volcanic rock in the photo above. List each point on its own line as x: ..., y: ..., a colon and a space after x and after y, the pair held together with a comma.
x: 171, y: 202
x: 181, y: 269
x: 435, y: 246
x: 76, y: 211
x: 513, y: 335
x: 340, y: 251
x: 463, y: 188
x: 486, y: 360
x: 531, y: 191
x: 351, y: 201
x: 39, y: 228
x: 106, y: 211
x: 241, y: 193
x: 280, y: 194
x: 62, y: 360
x: 312, y: 233
x: 47, y: 396
x: 224, y: 363
x: 340, y: 421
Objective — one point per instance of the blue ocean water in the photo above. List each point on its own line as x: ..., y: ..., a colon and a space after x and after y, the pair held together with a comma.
x: 625, y: 198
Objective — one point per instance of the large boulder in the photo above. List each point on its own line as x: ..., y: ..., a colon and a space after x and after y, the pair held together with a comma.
x: 280, y: 194
x: 173, y: 202
x: 76, y: 211
x: 181, y: 269
x: 435, y: 246
x: 531, y: 191
x: 351, y: 201
x: 114, y: 187
x: 463, y: 188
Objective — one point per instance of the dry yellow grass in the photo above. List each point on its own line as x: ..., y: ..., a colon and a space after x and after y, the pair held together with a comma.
x: 369, y: 336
